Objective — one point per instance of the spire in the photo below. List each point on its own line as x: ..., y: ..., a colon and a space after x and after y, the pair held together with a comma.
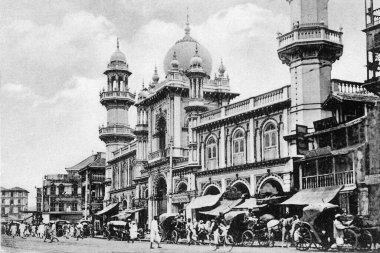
x: 117, y: 42
x: 222, y: 68
x: 196, y: 48
x: 187, y: 28
x: 155, y: 76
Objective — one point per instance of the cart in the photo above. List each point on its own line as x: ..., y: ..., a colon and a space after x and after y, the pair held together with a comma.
x: 167, y: 226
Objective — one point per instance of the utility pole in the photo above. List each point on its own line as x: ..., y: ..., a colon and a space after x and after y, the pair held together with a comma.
x: 170, y: 177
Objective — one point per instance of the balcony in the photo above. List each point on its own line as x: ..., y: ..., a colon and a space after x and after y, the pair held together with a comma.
x: 309, y: 33
x: 348, y: 87
x: 119, y: 131
x: 157, y: 155
x: 98, y: 178
x: 125, y: 96
x: 340, y: 178
x: 163, y: 153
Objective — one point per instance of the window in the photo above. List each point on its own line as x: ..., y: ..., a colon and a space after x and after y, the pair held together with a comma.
x: 238, y: 147
x: 19, y: 201
x: 2, y: 210
x: 75, y: 207
x: 11, y: 194
x: 3, y: 193
x: 61, y: 189
x: 61, y: 207
x: 270, y: 142
x: 52, y: 189
x: 11, y: 201
x: 211, y: 153
x: 3, y: 201
x: 75, y: 189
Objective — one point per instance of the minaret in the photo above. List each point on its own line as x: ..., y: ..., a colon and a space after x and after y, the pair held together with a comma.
x: 309, y: 49
x: 117, y: 99
x: 141, y: 131
x: 196, y: 105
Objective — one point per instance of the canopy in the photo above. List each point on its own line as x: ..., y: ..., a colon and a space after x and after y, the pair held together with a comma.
x: 122, y: 215
x: 313, y: 196
x: 117, y: 223
x: 204, y: 201
x: 107, y: 209
x: 231, y: 215
x: 164, y: 216
x: 224, y: 207
x: 266, y: 217
x: 249, y: 204
x: 311, y: 212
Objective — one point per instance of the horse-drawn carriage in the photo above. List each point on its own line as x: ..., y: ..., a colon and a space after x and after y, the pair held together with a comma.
x: 167, y: 227
x: 316, y: 227
x: 117, y: 230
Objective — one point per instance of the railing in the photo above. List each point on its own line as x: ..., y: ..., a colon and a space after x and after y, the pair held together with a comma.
x: 211, y: 115
x: 309, y: 33
x: 115, y: 130
x: 99, y: 178
x: 117, y: 94
x: 346, y: 177
x: 271, y: 97
x: 157, y: 154
x: 348, y: 87
x: 237, y: 107
x: 117, y: 66
x: 124, y: 150
x: 339, y: 178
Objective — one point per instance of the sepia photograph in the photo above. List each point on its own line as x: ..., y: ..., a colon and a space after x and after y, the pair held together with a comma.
x: 243, y: 126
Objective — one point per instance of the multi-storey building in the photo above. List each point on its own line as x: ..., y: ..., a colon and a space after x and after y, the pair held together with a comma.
x: 192, y: 149
x: 92, y: 173
x: 39, y: 202
x: 13, y: 202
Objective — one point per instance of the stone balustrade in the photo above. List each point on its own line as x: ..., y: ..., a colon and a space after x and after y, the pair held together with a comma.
x: 126, y: 95
x: 307, y: 32
x: 115, y: 130
x: 211, y: 115
x: 348, y: 87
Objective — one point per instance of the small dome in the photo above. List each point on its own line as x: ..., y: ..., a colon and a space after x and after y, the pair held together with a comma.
x: 174, y: 63
x: 118, y: 55
x: 196, y: 60
x: 222, y: 68
x: 144, y: 93
x: 155, y: 76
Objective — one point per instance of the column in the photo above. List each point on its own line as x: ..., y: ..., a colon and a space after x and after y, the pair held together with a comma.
x: 228, y: 150
x: 252, y: 184
x: 224, y: 185
x: 202, y: 144
x: 176, y: 122
x: 251, y: 143
x: 222, y: 144
x: 150, y: 201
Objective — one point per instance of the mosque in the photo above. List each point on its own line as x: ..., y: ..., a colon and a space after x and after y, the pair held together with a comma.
x: 194, y: 150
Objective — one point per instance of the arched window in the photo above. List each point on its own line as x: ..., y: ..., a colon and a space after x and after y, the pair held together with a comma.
x: 211, y: 153
x: 238, y: 147
x: 161, y: 133
x: 182, y: 187
x: 61, y: 189
x: 270, y: 141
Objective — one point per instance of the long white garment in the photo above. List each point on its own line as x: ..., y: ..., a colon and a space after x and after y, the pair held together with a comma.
x: 154, y: 235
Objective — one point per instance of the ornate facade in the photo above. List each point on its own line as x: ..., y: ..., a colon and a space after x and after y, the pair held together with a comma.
x: 191, y: 141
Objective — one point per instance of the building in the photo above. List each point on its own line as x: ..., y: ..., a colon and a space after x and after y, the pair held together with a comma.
x: 62, y: 199
x: 39, y: 202
x: 13, y: 202
x: 195, y: 151
x: 92, y: 173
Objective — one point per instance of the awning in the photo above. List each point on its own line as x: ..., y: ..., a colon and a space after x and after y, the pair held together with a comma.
x: 204, y: 201
x: 107, y: 209
x: 224, y: 207
x: 313, y: 196
x: 249, y: 204
x: 123, y: 215
x: 348, y: 188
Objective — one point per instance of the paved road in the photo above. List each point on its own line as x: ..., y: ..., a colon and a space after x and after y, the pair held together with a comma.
x: 100, y: 245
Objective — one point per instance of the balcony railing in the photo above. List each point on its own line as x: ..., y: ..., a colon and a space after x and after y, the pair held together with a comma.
x: 98, y: 178
x: 339, y: 178
x: 156, y: 155
x: 348, y: 87
x: 124, y: 150
x: 122, y: 95
x: 117, y: 130
x: 309, y: 33
x: 252, y: 103
x: 159, y: 154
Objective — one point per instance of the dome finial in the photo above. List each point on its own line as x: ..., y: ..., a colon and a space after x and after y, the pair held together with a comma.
x: 117, y: 42
x: 187, y: 28
x: 196, y: 48
x: 222, y: 68
x: 155, y: 76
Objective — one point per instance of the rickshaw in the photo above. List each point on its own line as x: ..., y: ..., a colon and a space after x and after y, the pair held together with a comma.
x: 260, y: 231
x: 237, y: 220
x: 316, y: 227
x: 86, y: 227
x: 168, y: 232
x: 116, y: 230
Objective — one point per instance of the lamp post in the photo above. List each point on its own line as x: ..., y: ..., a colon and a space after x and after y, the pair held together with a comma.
x: 170, y: 177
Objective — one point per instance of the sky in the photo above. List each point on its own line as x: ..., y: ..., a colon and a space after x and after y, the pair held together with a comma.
x: 53, y: 55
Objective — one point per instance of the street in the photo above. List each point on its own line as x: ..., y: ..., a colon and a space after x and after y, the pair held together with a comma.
x: 32, y: 244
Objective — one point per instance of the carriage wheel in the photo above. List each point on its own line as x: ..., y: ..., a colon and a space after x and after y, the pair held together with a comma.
x: 247, y: 238
x: 262, y: 238
x: 304, y: 238
x: 174, y: 237
x: 351, y: 238
x: 365, y: 240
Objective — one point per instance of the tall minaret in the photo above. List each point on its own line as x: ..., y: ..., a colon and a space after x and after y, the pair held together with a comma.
x: 117, y: 99
x: 196, y: 105
x: 309, y: 49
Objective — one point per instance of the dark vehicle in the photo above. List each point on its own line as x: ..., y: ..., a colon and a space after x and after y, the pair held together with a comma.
x: 86, y: 227
x: 316, y: 227
x: 116, y: 230
x: 259, y: 230
x: 168, y: 231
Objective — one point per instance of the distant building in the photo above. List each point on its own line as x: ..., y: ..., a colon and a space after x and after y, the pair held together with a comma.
x: 13, y: 202
x: 39, y: 199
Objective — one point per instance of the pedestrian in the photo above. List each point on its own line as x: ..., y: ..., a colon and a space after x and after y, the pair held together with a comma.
x: 72, y: 230
x: 189, y: 231
x: 66, y: 231
x: 47, y: 232
x: 154, y: 235
x: 127, y: 229
x: 40, y: 230
x: 13, y: 229
x: 79, y: 231
x: 133, y: 231
x: 53, y: 234
x: 339, y: 232
x: 22, y: 228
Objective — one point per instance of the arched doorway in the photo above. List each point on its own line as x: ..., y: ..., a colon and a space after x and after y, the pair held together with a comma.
x: 211, y: 190
x: 270, y: 187
x: 241, y: 187
x: 161, y: 198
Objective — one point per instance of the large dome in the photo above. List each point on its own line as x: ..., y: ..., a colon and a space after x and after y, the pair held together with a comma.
x: 185, y: 50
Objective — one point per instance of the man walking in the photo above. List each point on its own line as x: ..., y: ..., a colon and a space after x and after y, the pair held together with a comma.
x: 154, y: 235
x: 53, y: 234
